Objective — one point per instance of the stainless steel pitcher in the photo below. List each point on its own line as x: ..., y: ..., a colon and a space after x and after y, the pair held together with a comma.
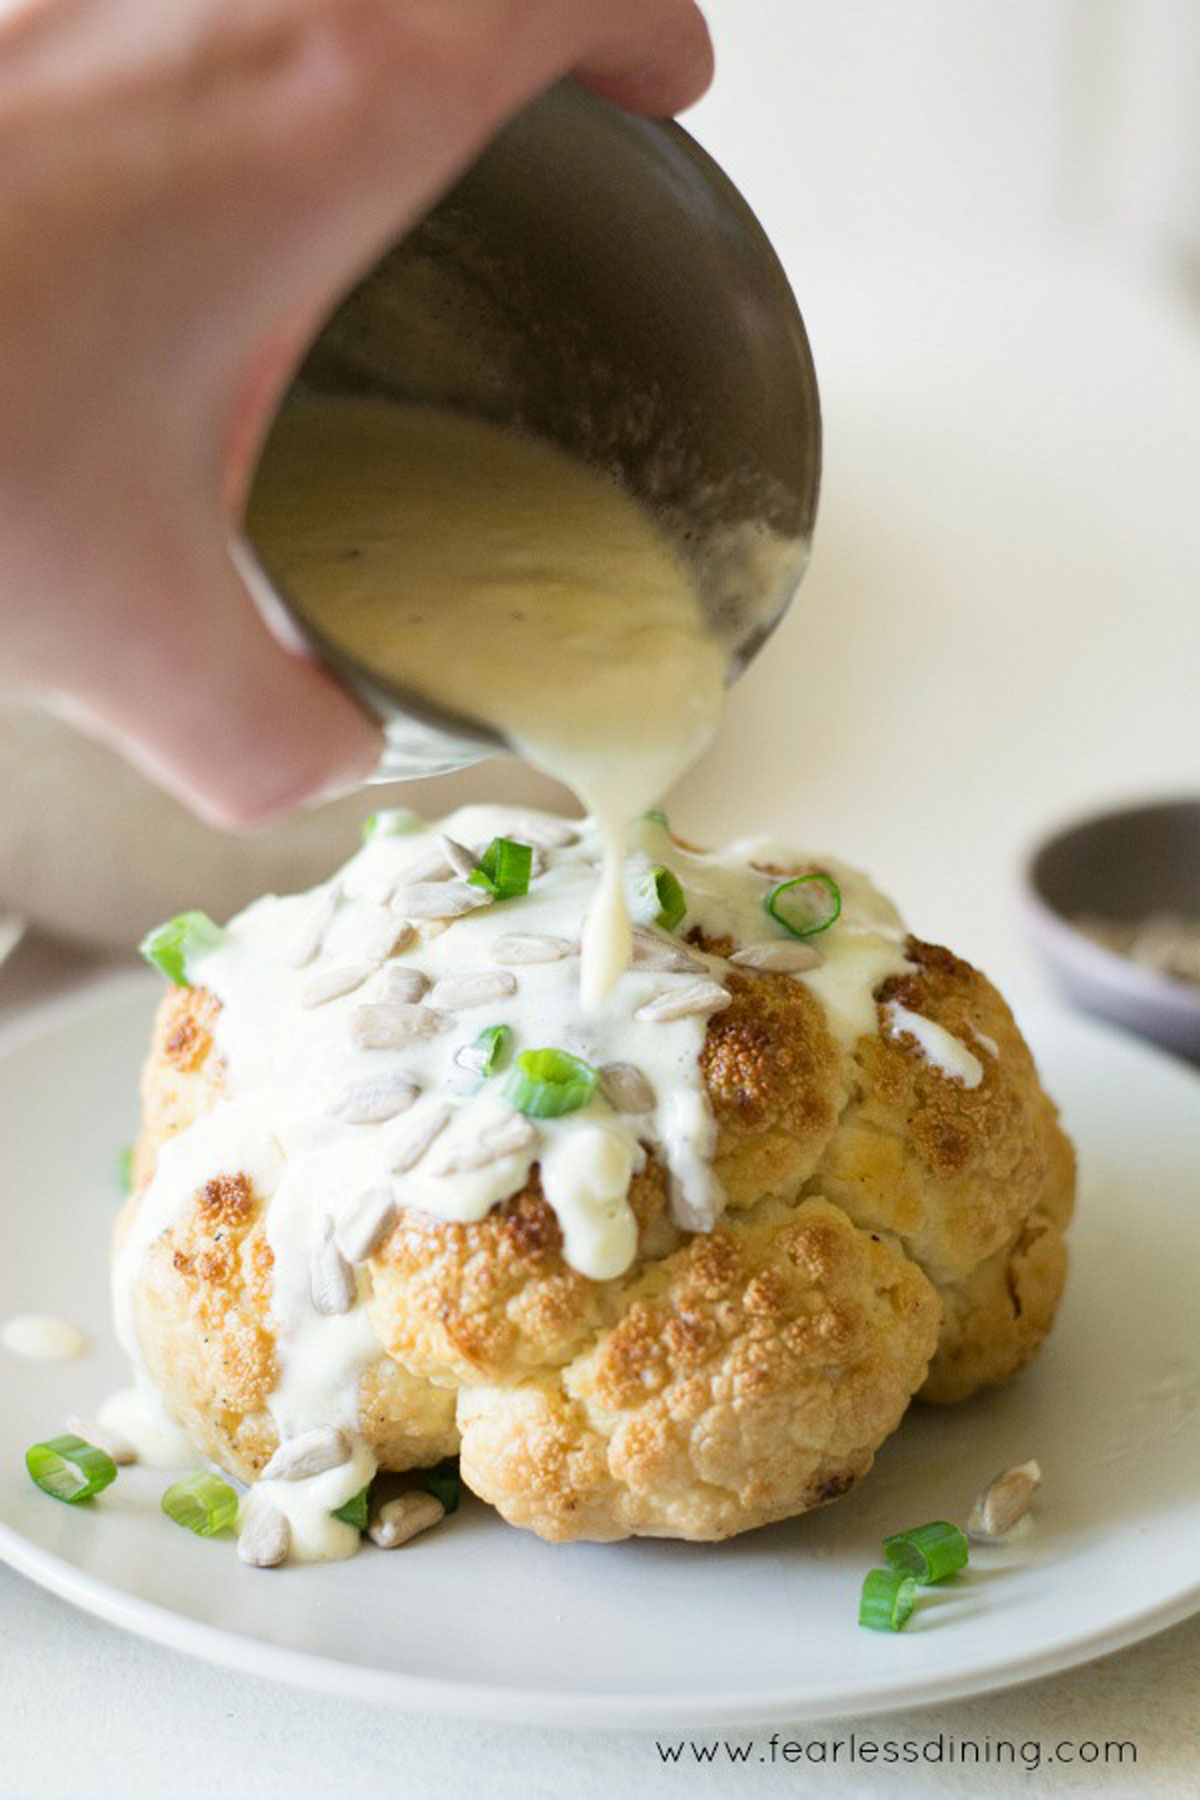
x: 595, y: 280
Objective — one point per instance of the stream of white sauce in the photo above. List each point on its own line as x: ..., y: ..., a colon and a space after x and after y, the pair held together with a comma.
x: 939, y: 1046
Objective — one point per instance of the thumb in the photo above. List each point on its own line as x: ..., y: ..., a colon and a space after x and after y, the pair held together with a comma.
x: 655, y: 60
x: 203, y: 696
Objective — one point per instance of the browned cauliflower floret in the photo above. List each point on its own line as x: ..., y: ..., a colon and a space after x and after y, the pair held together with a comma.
x: 750, y: 1376
x: 976, y: 1184
x: 777, y: 1086
x: 889, y: 1230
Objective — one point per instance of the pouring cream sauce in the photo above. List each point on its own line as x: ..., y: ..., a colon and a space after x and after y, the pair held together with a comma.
x: 506, y: 582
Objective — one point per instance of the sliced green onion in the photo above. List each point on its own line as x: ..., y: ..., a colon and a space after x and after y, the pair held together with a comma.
x: 662, y: 888
x: 489, y: 1053
x: 656, y: 816
x: 356, y: 1510
x: 928, y: 1552
x: 125, y: 1169
x: 806, y: 905
x: 202, y: 1503
x: 171, y: 947
x: 69, y: 1468
x: 544, y: 1084
x: 392, y: 821
x: 443, y: 1483
x: 887, y: 1600
x: 504, y: 869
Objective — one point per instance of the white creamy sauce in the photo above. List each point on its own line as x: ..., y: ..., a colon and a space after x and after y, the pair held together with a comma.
x: 510, y: 583
x: 138, y: 1415
x: 585, y: 1178
x: 320, y: 1356
x: 864, y: 948
x: 39, y: 1338
x: 309, y: 1505
x: 448, y: 1141
x: 939, y: 1047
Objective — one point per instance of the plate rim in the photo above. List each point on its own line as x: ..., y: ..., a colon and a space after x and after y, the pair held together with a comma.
x: 541, y: 1706
x: 437, y: 1696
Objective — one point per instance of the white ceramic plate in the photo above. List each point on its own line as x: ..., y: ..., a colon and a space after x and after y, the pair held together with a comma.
x: 484, y: 1620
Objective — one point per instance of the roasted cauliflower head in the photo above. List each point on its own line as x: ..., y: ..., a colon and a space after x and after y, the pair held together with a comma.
x: 681, y: 1280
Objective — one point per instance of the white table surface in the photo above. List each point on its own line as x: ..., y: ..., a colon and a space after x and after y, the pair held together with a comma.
x: 1001, y: 627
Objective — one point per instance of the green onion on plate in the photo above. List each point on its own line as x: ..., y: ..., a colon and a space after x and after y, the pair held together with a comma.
x: 544, y: 1084
x: 928, y: 1552
x: 887, y: 1600
x: 443, y: 1483
x: 202, y: 1503
x: 356, y: 1510
x: 805, y: 905
x: 69, y: 1468
x: 171, y: 947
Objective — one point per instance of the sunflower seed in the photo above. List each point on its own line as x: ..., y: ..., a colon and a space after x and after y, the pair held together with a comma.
x: 457, y: 993
x: 1004, y: 1502
x: 363, y: 1225
x: 438, y: 899
x: 531, y: 947
x: 507, y: 1137
x: 410, y: 1146
x: 399, y: 1520
x: 388, y: 1024
x: 331, y: 984
x: 113, y: 1443
x: 464, y: 862
x: 683, y: 1003
x: 266, y: 1536
x: 331, y: 1280
x: 626, y: 1089
x: 311, y: 1453
x: 650, y: 952
x: 543, y: 834
x: 405, y: 984
x: 372, y: 1101
x: 384, y: 935
x: 311, y: 935
x: 784, y: 958
x: 431, y: 865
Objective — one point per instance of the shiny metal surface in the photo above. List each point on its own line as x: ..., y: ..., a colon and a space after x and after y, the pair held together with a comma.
x: 596, y: 280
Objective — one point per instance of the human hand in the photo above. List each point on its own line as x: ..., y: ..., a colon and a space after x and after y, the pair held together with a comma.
x: 189, y: 188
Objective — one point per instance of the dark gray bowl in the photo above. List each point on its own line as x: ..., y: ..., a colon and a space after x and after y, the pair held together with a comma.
x: 1122, y: 865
